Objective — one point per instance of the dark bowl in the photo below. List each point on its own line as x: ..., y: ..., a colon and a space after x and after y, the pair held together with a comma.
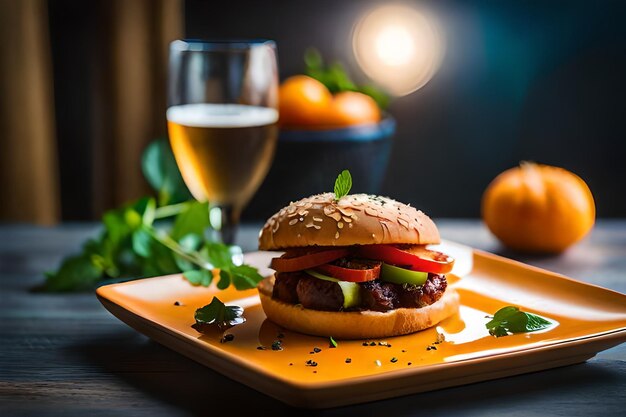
x: 308, y: 161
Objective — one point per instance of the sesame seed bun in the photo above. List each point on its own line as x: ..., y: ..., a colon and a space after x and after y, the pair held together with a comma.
x: 356, y: 324
x: 357, y: 219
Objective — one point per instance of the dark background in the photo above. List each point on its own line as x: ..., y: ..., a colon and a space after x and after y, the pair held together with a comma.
x: 540, y: 81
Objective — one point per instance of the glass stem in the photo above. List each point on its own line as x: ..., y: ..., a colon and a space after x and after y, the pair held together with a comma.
x: 225, y: 220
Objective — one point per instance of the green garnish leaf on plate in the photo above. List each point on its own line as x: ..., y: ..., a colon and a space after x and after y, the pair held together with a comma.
x: 218, y: 314
x: 343, y: 184
x: 510, y: 319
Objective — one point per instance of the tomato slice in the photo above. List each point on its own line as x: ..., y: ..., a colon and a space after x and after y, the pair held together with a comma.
x: 416, y: 258
x: 299, y: 260
x: 354, y: 270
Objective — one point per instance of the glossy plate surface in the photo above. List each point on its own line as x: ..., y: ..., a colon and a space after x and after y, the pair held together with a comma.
x: 590, y: 319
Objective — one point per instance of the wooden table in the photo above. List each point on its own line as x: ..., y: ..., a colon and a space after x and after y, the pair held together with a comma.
x: 65, y: 354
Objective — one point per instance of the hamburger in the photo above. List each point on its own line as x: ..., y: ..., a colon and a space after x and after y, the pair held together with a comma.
x: 355, y: 267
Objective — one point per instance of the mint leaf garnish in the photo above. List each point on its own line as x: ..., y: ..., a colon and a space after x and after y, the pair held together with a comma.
x: 343, y: 184
x: 218, y: 314
x: 511, y: 319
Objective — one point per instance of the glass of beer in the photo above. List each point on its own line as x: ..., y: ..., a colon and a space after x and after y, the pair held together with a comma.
x: 221, y: 119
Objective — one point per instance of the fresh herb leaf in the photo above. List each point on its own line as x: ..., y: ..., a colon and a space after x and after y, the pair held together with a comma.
x: 141, y: 242
x: 245, y: 277
x: 194, y: 219
x: 220, y: 256
x: 75, y: 273
x: 511, y: 319
x: 199, y: 277
x: 160, y: 170
x: 218, y: 314
x: 343, y: 184
x: 333, y: 343
x: 224, y: 281
x: 313, y: 59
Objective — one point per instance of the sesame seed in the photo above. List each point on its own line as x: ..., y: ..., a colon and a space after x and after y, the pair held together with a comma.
x: 292, y: 222
x: 378, y: 363
x: 337, y: 235
x: 340, y: 225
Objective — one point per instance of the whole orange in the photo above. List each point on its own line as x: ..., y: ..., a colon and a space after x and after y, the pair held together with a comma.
x: 538, y: 208
x: 303, y: 101
x: 351, y: 108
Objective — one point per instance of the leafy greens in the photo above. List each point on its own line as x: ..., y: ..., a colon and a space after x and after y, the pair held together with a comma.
x: 144, y: 239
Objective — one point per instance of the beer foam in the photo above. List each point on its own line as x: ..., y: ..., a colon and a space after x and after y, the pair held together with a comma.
x: 221, y: 115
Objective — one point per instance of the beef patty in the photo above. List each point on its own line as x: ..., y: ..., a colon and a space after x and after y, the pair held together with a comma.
x: 317, y: 294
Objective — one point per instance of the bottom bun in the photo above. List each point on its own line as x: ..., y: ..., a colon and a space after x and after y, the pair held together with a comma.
x: 366, y: 324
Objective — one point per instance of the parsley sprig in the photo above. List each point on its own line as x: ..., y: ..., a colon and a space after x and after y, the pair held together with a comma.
x: 154, y: 236
x: 511, y: 319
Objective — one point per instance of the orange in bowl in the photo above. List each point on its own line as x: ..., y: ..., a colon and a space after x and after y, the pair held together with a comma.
x: 538, y: 208
x: 351, y: 108
x: 303, y: 102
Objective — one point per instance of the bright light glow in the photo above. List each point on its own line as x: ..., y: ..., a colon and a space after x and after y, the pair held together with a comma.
x: 395, y: 46
x: 399, y: 47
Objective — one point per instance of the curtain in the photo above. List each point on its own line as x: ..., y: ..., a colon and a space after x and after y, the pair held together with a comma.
x: 125, y: 105
x: 134, y: 94
x: 28, y: 167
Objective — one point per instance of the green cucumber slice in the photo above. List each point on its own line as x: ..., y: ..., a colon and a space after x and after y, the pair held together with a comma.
x: 351, y: 291
x: 398, y: 275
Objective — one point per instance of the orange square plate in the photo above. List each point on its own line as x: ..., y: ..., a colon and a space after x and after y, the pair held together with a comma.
x: 590, y: 319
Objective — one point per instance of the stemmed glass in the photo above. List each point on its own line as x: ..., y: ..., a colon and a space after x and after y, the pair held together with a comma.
x: 221, y: 118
